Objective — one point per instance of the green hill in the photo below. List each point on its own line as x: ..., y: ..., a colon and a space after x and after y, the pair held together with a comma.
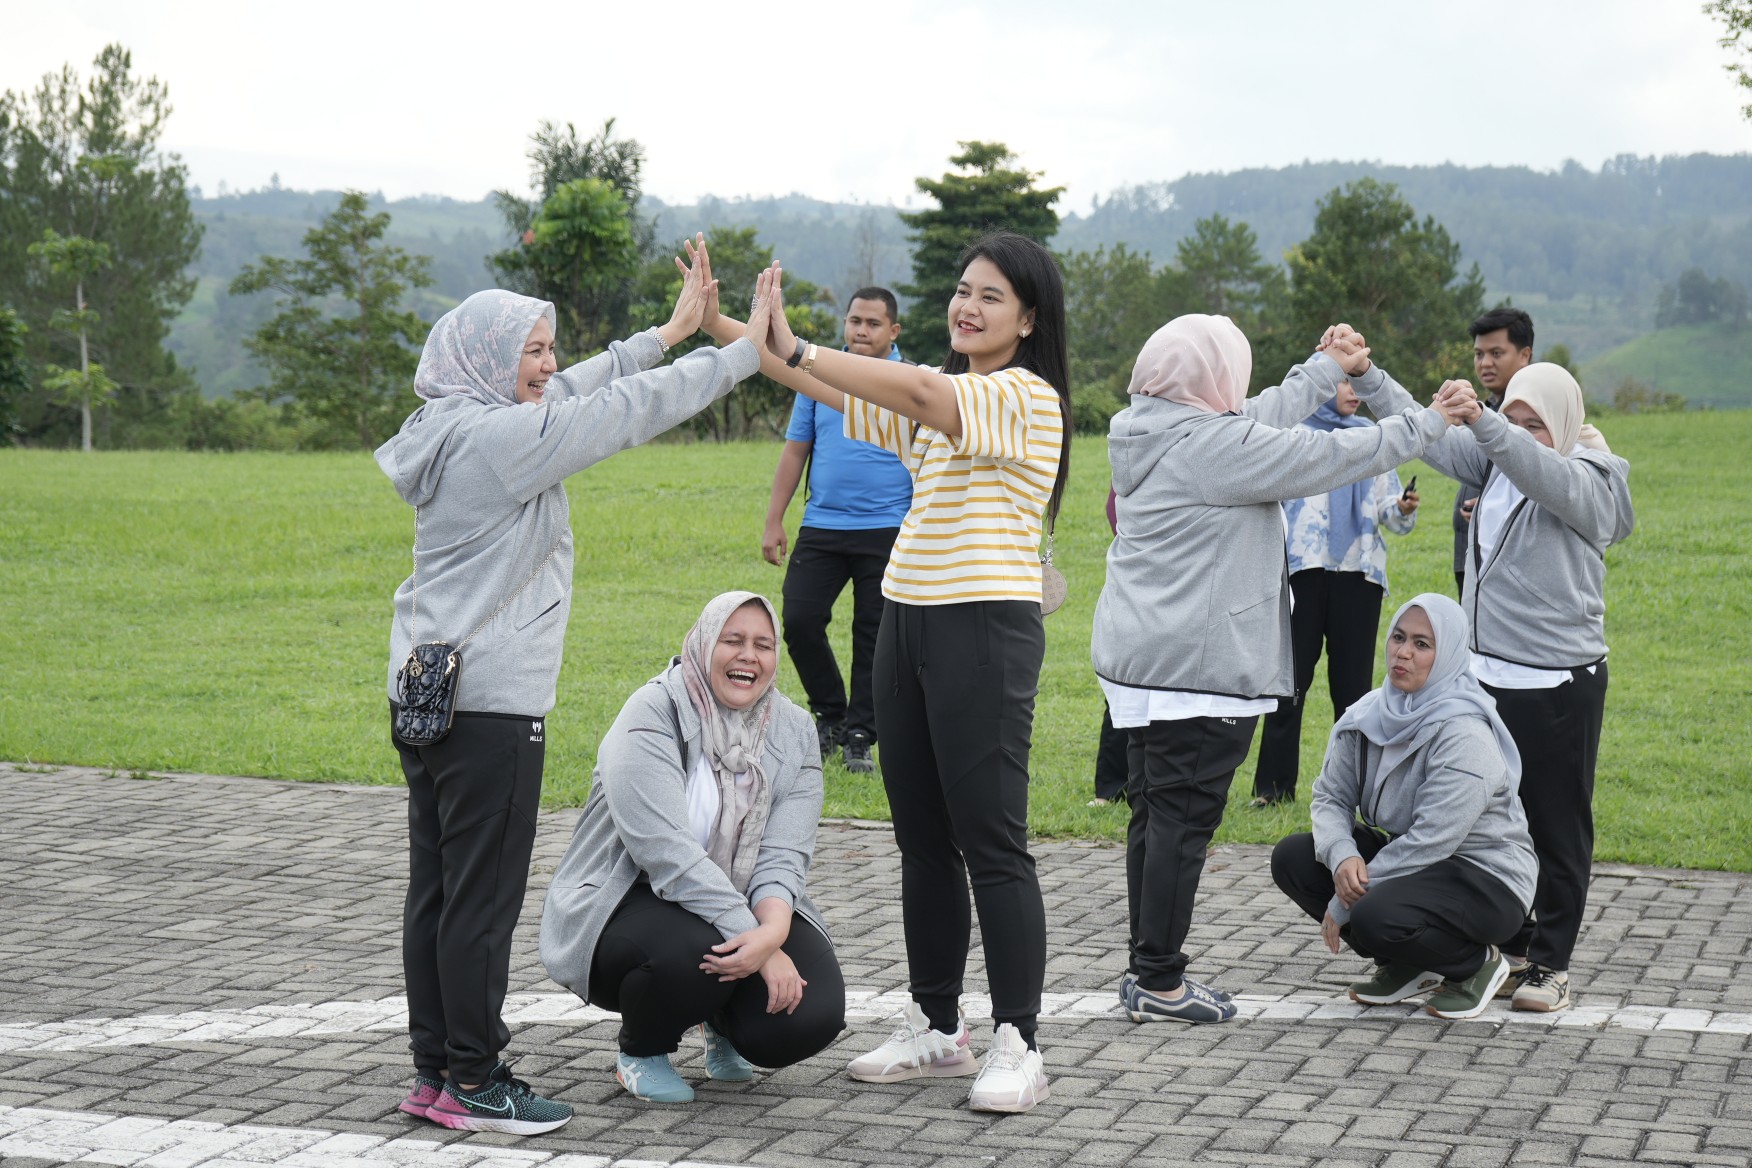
x: 1708, y: 364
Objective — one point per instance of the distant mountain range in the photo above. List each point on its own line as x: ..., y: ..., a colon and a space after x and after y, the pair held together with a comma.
x: 1585, y: 251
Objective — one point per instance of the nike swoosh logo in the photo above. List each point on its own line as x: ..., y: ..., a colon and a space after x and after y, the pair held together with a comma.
x: 501, y: 1109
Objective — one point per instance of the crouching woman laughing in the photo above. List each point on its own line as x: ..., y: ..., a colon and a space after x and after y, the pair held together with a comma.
x: 680, y: 902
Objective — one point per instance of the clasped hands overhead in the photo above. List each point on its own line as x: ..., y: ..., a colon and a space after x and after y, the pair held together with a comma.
x: 1455, y: 400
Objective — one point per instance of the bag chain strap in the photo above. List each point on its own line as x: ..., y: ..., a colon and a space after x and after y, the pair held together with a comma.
x: 414, y: 615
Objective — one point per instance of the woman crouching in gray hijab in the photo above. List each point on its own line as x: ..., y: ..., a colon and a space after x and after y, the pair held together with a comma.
x: 1420, y: 855
x: 685, y: 874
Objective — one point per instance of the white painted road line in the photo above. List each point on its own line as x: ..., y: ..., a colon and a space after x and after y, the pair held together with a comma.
x: 87, y: 1136
x: 862, y: 1006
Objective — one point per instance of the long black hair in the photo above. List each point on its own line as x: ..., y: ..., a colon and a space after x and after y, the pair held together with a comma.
x: 1034, y: 274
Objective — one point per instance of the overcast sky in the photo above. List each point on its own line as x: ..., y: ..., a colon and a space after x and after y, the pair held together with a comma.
x: 852, y: 101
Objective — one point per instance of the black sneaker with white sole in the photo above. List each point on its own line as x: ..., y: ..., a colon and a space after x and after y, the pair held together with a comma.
x: 857, y: 752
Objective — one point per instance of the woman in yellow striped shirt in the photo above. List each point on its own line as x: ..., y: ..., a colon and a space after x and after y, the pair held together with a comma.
x: 957, y: 667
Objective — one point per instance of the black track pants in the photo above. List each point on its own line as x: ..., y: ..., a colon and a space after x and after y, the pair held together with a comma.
x: 1342, y: 611
x: 647, y: 969
x: 1558, y: 734
x: 472, y: 802
x: 822, y: 563
x: 955, y: 688
x: 1438, y: 919
x: 1180, y: 775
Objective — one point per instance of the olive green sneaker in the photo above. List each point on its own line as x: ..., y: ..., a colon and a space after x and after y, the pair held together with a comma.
x: 1394, y: 983
x: 1467, y: 999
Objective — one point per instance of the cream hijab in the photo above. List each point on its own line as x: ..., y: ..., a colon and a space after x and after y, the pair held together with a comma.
x: 733, y: 741
x: 1196, y: 360
x: 1552, y: 393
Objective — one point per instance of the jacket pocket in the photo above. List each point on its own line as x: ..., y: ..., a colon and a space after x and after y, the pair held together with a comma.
x: 545, y: 593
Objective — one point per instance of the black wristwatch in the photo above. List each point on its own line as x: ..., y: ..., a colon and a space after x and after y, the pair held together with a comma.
x: 798, y: 355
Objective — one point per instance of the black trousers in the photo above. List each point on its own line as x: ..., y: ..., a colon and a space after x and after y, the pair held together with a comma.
x: 647, y: 969
x: 1180, y: 775
x: 1343, y: 611
x: 1439, y: 919
x: 472, y: 803
x: 822, y: 563
x: 1558, y: 734
x: 1110, y: 764
x: 955, y: 688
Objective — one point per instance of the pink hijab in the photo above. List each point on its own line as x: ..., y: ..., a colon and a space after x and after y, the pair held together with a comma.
x: 1199, y: 361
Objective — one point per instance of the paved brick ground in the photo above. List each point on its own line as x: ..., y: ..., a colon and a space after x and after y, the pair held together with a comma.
x: 124, y: 897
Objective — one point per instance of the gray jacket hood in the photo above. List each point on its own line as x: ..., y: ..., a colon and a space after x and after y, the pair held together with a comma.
x: 414, y: 456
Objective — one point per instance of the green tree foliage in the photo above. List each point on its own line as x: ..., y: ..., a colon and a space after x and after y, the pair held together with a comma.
x: 580, y: 236
x: 1560, y: 355
x: 989, y: 192
x: 1114, y: 300
x: 582, y: 254
x: 1694, y: 298
x: 84, y: 160
x: 1224, y: 273
x: 1639, y: 397
x: 14, y: 373
x: 1372, y: 264
x: 1736, y: 18
x: 760, y: 407
x: 341, y: 349
x: 76, y: 258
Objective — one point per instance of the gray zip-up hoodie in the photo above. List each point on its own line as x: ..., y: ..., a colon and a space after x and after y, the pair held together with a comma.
x: 488, y: 483
x: 1451, y: 796
x: 635, y: 823
x: 1197, y: 592
x: 1544, y: 587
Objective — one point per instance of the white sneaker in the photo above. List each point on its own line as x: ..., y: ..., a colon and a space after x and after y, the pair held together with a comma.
x: 1012, y: 1078
x: 916, y: 1050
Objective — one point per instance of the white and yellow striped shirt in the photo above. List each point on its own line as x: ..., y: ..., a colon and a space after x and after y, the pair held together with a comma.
x: 973, y: 531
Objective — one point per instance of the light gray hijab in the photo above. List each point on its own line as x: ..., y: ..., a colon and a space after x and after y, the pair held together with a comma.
x: 733, y: 741
x: 1400, y: 722
x: 473, y: 350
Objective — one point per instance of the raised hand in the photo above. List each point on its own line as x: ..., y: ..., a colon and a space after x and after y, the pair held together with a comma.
x: 699, y: 259
x: 690, y: 305
x: 760, y: 310
x: 781, y: 341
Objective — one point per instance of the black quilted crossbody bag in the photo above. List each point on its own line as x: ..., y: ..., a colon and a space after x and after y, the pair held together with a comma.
x: 425, y: 685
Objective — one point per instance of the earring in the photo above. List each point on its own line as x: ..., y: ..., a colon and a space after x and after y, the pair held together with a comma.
x: 1024, y: 332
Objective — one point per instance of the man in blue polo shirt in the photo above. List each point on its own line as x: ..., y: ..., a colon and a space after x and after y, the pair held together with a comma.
x: 858, y: 494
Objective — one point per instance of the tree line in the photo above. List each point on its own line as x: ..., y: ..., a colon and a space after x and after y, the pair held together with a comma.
x: 97, y: 235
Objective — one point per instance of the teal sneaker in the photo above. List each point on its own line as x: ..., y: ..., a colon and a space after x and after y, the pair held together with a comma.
x: 723, y: 1061
x: 652, y: 1079
x: 501, y: 1104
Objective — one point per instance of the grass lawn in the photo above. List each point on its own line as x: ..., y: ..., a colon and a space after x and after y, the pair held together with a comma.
x: 229, y: 614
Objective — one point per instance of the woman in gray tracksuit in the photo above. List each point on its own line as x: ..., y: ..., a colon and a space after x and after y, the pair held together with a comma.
x: 1192, y: 630
x: 681, y: 902
x: 1555, y: 498
x: 484, y: 464
x: 1419, y: 856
